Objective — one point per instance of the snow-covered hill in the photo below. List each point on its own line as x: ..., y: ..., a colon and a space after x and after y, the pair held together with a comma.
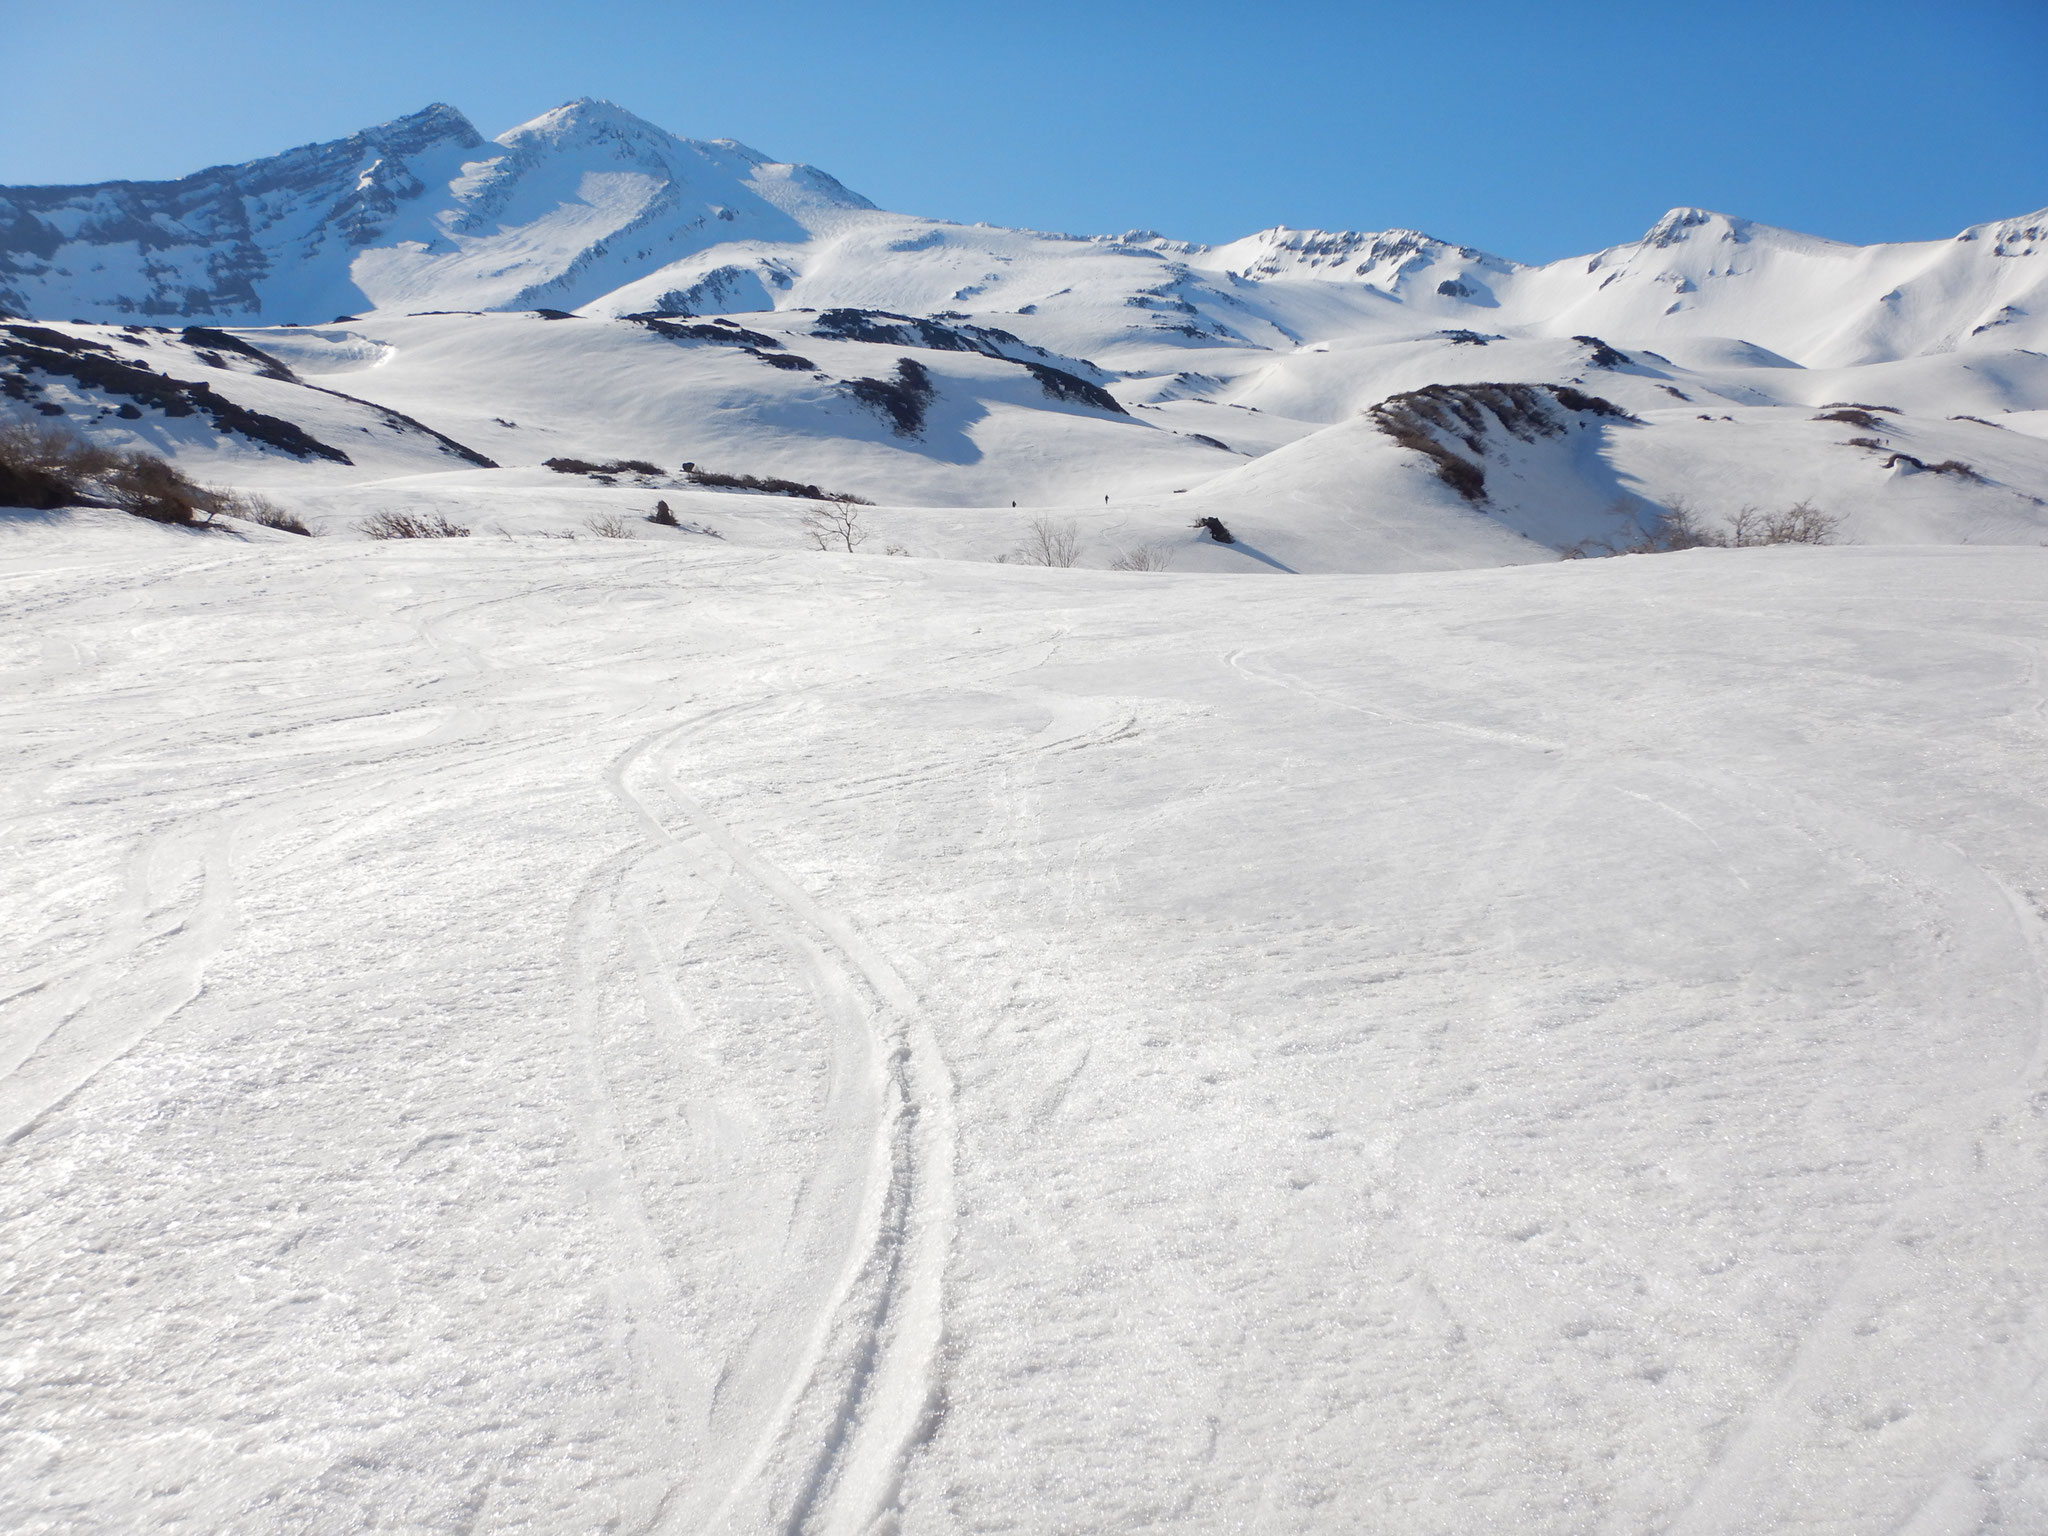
x: 590, y: 286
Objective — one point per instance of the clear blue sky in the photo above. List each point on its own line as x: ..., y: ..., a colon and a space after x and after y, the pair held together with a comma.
x: 1534, y: 129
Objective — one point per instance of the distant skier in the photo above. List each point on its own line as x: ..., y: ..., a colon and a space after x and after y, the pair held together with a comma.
x: 1217, y: 531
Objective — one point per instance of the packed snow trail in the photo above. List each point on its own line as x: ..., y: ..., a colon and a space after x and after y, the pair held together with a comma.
x: 506, y: 1035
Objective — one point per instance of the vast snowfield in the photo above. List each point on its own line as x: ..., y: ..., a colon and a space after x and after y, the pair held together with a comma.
x: 511, y: 1034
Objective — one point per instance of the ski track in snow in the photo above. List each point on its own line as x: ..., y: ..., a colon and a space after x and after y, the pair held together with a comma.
x: 961, y: 1062
x: 884, y: 1312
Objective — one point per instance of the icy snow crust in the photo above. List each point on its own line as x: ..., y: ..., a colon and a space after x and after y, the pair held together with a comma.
x: 515, y: 1035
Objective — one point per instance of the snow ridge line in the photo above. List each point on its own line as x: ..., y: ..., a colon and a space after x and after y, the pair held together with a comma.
x: 889, y: 1400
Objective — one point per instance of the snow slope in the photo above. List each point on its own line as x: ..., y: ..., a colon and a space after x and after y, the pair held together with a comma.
x: 517, y: 1035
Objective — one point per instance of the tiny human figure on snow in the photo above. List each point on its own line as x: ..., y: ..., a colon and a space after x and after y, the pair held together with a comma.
x: 1217, y: 531
x: 663, y: 516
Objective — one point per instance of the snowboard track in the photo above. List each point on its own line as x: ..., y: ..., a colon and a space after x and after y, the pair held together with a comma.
x: 865, y: 1391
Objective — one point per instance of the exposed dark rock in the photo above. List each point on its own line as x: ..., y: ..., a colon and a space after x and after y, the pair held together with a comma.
x: 220, y: 341
x: 718, y: 333
x: 767, y: 485
x: 902, y: 399
x: 567, y: 466
x: 201, y: 239
x: 1058, y: 384
x: 1603, y: 356
x: 108, y: 375
x: 1854, y: 416
x: 1422, y: 419
x: 890, y: 330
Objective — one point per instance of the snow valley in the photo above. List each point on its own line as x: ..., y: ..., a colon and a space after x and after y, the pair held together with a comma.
x: 580, y: 1017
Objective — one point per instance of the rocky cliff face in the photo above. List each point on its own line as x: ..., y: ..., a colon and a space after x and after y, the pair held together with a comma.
x: 216, y: 243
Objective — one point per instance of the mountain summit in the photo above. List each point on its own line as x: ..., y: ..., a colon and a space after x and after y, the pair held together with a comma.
x: 420, y: 210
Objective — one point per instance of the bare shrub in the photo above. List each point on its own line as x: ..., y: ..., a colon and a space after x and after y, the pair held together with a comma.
x: 767, y: 485
x: 45, y: 466
x: 147, y: 486
x: 1146, y: 557
x: 42, y: 467
x: 1678, y: 527
x: 410, y: 525
x: 1800, y: 523
x: 834, y: 525
x: 1048, y: 541
x: 1855, y: 416
x: 894, y: 549
x: 608, y: 525
x: 260, y: 510
x: 609, y: 467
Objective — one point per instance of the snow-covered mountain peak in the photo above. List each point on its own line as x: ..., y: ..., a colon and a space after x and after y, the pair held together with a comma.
x: 1349, y: 254
x: 2026, y: 235
x: 408, y: 135
x: 587, y: 116
x: 1691, y: 226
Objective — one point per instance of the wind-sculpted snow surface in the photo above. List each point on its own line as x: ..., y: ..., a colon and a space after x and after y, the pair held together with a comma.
x: 517, y: 1035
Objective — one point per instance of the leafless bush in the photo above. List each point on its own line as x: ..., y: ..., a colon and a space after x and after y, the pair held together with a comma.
x: 1146, y: 557
x: 45, y: 466
x: 1678, y: 526
x: 1855, y: 416
x: 411, y: 525
x: 260, y: 510
x: 894, y: 549
x: 608, y: 525
x: 147, y: 486
x: 834, y: 525
x: 1800, y: 523
x: 1048, y: 541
